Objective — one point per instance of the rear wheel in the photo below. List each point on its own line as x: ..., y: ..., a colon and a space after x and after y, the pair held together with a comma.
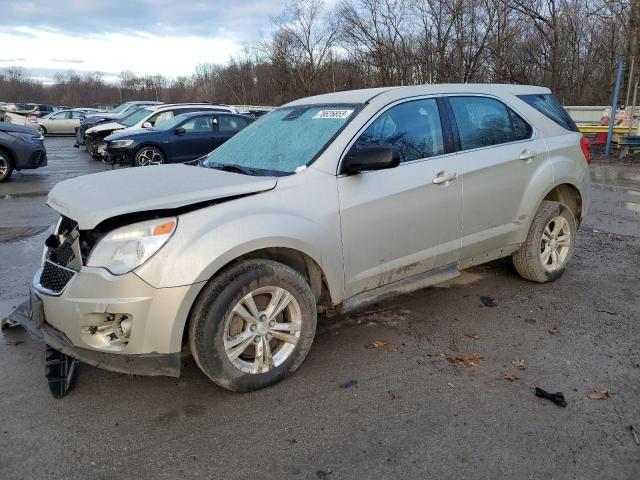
x: 6, y: 166
x: 149, y: 156
x: 549, y: 245
x: 253, y: 325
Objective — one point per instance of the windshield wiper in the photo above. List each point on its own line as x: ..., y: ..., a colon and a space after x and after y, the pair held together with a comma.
x: 230, y: 167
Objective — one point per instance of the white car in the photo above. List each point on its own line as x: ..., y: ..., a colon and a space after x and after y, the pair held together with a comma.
x: 327, y: 203
x: 63, y: 122
x: 146, y: 117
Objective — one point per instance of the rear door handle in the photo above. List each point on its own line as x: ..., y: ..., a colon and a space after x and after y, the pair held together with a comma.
x: 444, y: 177
x: 527, y: 154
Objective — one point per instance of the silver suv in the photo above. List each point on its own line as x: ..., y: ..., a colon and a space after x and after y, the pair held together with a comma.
x: 326, y: 203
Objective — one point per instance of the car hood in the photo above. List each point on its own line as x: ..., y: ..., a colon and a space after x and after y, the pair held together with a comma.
x: 91, y: 199
x: 106, y: 126
x: 12, y: 127
x: 133, y: 133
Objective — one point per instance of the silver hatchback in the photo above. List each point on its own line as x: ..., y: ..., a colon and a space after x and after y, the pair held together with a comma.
x: 326, y: 203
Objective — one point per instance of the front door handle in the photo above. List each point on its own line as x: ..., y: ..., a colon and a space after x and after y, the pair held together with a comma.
x: 444, y: 177
x: 527, y: 154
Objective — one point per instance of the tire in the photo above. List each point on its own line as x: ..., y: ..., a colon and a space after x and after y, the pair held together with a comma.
x: 42, y: 130
x: 542, y: 258
x: 215, y: 325
x: 6, y: 166
x: 148, y: 156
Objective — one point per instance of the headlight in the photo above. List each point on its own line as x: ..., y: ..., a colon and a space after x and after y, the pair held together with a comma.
x: 27, y: 137
x: 120, y: 143
x: 126, y: 248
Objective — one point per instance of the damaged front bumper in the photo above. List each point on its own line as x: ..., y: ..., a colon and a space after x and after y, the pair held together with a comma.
x: 118, y: 156
x: 131, y: 327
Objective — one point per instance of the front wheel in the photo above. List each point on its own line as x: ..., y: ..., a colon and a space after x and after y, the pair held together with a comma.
x: 253, y: 325
x: 41, y: 130
x: 6, y: 167
x: 147, y: 156
x: 549, y: 245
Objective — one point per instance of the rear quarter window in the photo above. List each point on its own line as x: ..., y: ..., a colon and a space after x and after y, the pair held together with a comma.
x: 547, y: 104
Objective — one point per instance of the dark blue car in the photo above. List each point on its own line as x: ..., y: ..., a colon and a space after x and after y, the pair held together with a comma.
x: 21, y: 148
x: 184, y: 137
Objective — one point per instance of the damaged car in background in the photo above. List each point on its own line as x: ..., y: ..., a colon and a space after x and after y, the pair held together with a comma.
x: 121, y: 111
x: 183, y: 138
x: 325, y: 204
x: 143, y: 118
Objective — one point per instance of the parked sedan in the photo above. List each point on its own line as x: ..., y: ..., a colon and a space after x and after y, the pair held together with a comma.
x: 59, y: 123
x: 185, y: 137
x: 21, y: 148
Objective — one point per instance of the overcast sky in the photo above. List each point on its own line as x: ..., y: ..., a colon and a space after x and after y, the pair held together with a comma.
x: 145, y: 36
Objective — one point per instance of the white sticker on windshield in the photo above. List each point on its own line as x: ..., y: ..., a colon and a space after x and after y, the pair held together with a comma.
x: 335, y: 114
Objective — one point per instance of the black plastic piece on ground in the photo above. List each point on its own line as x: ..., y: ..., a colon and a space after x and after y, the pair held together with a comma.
x: 557, y: 398
x: 487, y: 301
x: 59, y: 370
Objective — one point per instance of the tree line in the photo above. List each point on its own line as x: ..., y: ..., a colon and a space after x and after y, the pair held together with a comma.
x: 571, y: 46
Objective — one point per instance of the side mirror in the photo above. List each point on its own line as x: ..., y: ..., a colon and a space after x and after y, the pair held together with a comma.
x: 370, y: 158
x: 147, y: 125
x: 179, y: 131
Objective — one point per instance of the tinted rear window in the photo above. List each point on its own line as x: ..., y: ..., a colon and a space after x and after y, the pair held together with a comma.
x: 551, y: 108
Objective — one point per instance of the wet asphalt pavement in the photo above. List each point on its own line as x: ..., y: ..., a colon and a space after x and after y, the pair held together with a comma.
x: 353, y: 411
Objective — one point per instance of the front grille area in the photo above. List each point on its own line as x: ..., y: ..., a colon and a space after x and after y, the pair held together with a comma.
x: 38, y: 157
x: 54, y: 277
x: 62, y: 257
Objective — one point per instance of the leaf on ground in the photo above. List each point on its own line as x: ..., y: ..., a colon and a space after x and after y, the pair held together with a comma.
x: 472, y: 336
x: 553, y: 329
x: 469, y: 361
x: 512, y: 377
x: 599, y: 395
x: 383, y: 345
x: 519, y: 364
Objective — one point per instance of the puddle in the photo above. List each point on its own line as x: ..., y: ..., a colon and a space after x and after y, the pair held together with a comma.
x: 615, y: 178
x: 632, y: 206
x: 9, y: 196
x: 12, y: 234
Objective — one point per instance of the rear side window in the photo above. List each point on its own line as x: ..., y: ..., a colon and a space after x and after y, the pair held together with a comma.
x: 521, y: 129
x: 481, y: 121
x: 413, y: 128
x: 551, y: 108
x: 231, y: 124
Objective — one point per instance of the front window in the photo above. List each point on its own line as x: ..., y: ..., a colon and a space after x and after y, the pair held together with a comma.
x: 121, y: 108
x: 413, y: 128
x: 204, y: 124
x: 284, y: 139
x: 131, y: 120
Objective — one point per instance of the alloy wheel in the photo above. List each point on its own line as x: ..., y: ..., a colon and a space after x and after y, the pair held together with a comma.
x: 262, y: 330
x: 4, y: 167
x: 149, y: 156
x: 555, y: 243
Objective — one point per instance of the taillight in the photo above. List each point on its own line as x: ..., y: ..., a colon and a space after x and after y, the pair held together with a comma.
x: 585, y: 145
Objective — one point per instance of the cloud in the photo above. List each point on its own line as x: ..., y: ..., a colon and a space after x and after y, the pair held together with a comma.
x: 242, y: 20
x: 66, y: 60
x: 12, y: 60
